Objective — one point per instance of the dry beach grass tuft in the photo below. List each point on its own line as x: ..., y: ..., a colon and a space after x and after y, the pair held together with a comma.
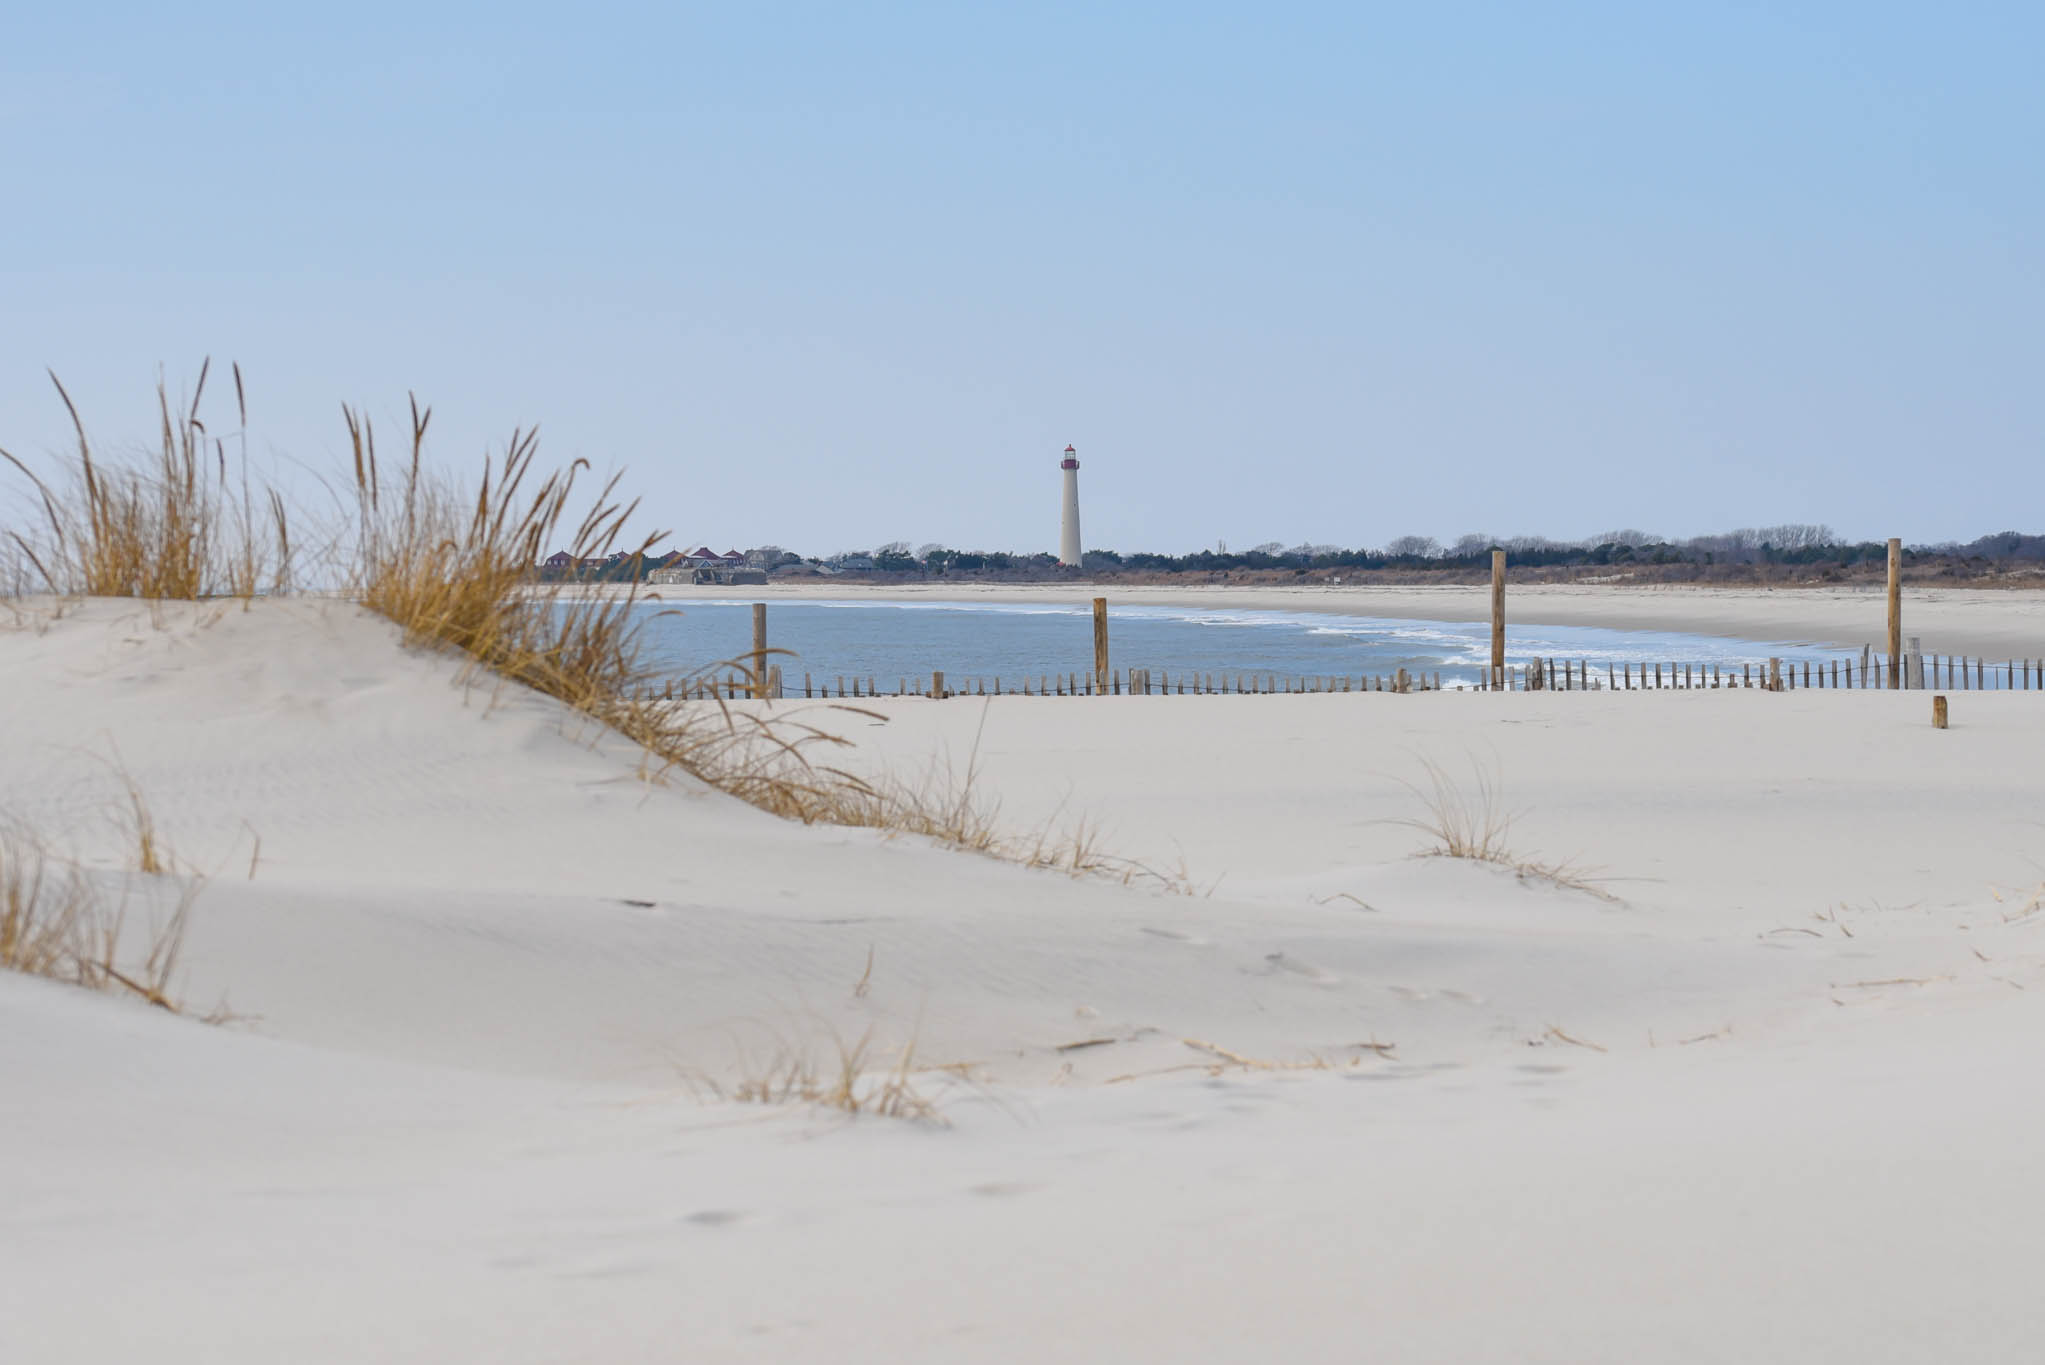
x: 178, y: 524
x: 454, y: 566
x: 59, y: 920
x: 843, y: 1076
x: 1476, y: 825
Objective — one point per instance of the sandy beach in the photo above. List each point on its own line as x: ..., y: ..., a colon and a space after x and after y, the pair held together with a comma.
x: 1993, y: 623
x: 1728, y: 1059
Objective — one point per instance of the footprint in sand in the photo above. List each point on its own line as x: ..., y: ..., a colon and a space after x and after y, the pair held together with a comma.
x: 1411, y: 993
x: 714, y: 1218
x: 1280, y: 962
x: 1172, y: 935
x: 999, y: 1189
x: 611, y: 1270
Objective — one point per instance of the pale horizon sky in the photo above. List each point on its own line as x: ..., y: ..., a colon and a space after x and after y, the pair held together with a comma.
x: 828, y: 276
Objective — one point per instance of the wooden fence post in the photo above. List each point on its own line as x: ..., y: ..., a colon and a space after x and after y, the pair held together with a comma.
x: 1895, y: 611
x: 937, y: 685
x: 759, y: 648
x: 1101, y: 645
x: 1498, y: 617
x: 1938, y: 713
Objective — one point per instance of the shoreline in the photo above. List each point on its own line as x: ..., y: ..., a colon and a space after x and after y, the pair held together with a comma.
x: 1996, y: 624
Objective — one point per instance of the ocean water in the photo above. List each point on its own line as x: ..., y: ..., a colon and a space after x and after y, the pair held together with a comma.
x: 891, y: 642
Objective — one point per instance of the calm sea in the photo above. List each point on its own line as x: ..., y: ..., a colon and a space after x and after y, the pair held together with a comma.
x: 893, y: 641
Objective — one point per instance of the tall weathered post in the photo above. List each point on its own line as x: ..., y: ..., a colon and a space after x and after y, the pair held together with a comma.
x: 1895, y: 611
x: 1100, y: 646
x: 759, y: 649
x: 1498, y: 618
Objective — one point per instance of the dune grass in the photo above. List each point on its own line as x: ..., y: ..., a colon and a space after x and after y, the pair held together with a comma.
x: 1476, y: 825
x: 835, y: 1073
x: 1471, y: 824
x: 779, y: 762
x: 58, y: 920
x: 180, y: 523
x: 456, y: 567
x: 41, y: 909
x: 151, y: 857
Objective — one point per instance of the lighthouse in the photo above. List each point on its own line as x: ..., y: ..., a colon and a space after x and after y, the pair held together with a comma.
x: 1068, y: 531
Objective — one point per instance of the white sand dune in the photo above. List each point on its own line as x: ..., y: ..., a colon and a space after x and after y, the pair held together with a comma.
x: 1770, y: 1103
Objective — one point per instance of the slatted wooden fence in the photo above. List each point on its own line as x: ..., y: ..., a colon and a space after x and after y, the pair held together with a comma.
x: 1831, y: 672
x: 1961, y: 673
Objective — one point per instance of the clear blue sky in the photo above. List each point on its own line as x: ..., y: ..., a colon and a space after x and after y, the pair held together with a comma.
x: 829, y: 275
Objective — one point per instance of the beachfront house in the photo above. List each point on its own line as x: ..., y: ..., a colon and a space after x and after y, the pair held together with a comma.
x: 705, y: 565
x: 561, y: 562
x: 701, y: 565
x: 616, y: 565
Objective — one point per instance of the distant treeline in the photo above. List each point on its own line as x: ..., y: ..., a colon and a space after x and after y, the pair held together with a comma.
x: 1799, y: 551
x: 1797, y: 545
x: 1765, y: 553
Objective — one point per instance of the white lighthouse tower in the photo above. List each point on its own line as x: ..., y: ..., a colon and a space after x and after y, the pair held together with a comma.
x: 1068, y: 531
